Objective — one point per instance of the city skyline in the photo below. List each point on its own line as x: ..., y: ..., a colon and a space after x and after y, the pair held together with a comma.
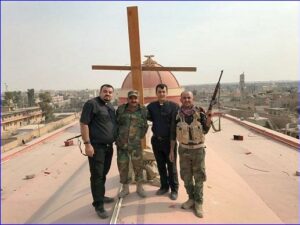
x: 52, y: 45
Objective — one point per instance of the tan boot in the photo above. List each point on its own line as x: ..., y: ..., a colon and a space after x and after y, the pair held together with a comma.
x: 124, y: 192
x: 188, y: 204
x: 198, y: 210
x: 140, y: 190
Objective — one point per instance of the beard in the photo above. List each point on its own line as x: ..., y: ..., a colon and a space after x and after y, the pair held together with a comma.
x: 106, y: 98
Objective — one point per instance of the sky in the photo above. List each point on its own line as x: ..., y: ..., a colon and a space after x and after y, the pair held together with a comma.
x: 52, y: 45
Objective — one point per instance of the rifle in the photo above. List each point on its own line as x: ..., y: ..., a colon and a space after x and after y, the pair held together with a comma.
x: 213, y: 98
x: 79, y: 143
x: 213, y: 101
x: 78, y: 136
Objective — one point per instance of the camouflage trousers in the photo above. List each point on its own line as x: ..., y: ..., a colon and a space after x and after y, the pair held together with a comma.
x: 192, y: 171
x: 124, y: 155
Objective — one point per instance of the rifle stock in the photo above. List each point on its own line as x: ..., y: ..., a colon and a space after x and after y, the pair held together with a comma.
x: 213, y: 99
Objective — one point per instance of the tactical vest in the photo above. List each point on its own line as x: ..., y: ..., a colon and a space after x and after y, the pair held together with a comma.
x: 189, y: 134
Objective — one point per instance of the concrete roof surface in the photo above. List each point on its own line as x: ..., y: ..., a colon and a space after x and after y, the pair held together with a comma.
x: 249, y: 181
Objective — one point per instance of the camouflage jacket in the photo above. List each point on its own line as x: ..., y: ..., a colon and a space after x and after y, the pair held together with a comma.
x: 131, y: 126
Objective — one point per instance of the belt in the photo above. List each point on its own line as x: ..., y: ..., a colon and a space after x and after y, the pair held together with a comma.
x: 201, y: 145
x: 161, y: 138
x: 103, y: 144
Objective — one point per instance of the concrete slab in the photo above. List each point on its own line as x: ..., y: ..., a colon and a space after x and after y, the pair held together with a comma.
x: 227, y: 199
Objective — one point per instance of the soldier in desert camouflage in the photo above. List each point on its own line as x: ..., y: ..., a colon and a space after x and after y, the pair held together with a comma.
x: 131, y: 129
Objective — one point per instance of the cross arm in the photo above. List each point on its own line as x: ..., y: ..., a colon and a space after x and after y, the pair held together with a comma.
x: 144, y: 68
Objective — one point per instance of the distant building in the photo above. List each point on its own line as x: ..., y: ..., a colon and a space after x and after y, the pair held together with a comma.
x: 6, y: 108
x: 242, y: 84
x: 59, y: 101
x: 291, y: 130
x: 276, y: 111
x: 284, y: 100
x: 12, y: 120
x: 57, y: 98
x: 262, y: 121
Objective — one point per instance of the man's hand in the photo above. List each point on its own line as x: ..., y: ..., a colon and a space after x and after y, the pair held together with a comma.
x: 89, y: 150
x: 209, y: 114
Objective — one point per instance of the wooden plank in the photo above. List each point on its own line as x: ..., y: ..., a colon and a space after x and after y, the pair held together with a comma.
x: 144, y: 68
x: 135, y: 51
x: 135, y: 54
x: 169, y: 68
x: 109, y: 67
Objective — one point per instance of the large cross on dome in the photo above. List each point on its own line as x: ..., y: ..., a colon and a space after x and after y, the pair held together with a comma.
x: 135, y: 56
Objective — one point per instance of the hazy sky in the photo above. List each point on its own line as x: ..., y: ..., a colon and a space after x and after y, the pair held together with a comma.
x: 52, y: 45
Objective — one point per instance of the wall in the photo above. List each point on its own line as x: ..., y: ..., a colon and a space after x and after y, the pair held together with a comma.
x: 39, y: 132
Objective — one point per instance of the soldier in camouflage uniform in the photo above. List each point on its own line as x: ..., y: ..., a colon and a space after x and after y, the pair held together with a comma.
x: 132, y: 127
x: 189, y: 125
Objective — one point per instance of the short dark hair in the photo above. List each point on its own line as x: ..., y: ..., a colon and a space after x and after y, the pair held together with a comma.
x: 106, y: 85
x: 161, y: 86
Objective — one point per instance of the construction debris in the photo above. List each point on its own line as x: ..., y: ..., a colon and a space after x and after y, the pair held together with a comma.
x: 27, y: 177
x: 69, y: 143
x: 238, y: 137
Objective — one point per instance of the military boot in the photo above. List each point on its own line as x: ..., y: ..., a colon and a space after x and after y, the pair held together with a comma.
x: 188, y: 204
x: 125, y: 191
x: 140, y: 190
x: 198, y: 210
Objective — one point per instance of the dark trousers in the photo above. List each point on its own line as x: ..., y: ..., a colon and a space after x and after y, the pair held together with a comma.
x: 167, y: 170
x: 99, y: 167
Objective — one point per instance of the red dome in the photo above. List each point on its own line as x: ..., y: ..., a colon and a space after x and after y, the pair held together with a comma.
x: 150, y: 80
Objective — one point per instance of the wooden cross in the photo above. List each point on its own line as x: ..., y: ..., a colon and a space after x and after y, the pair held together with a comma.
x: 135, y: 56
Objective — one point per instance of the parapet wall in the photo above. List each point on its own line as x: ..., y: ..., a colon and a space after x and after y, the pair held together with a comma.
x: 39, y: 132
x: 291, y: 141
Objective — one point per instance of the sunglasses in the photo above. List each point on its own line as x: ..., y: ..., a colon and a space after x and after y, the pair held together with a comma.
x: 186, y: 97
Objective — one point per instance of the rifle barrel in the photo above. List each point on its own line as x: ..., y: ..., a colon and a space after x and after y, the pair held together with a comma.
x: 215, y: 92
x: 220, y: 76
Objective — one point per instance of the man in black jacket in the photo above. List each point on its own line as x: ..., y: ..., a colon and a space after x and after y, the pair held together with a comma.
x: 98, y: 130
x: 160, y: 113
